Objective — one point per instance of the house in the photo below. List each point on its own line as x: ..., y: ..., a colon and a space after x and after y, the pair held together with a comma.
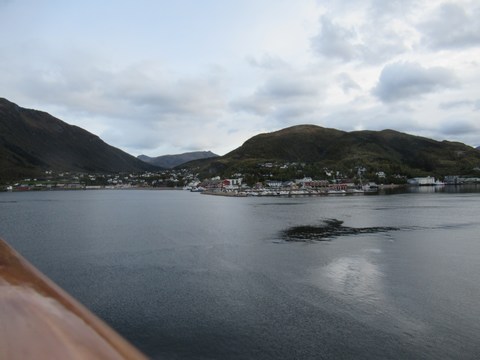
x: 422, y: 181
x: 302, y: 182
x: 211, y: 184
x: 231, y: 184
x: 452, y: 180
x: 274, y: 183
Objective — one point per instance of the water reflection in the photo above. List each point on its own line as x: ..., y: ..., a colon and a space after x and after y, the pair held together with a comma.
x: 456, y: 189
x: 358, y: 281
x: 354, y: 277
x: 464, y: 188
x: 426, y: 189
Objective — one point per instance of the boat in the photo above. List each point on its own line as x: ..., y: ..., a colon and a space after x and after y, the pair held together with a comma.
x: 370, y: 187
x: 198, y: 189
x: 39, y: 320
x: 336, y: 192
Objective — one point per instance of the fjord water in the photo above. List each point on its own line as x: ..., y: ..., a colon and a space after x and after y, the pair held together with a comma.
x: 188, y: 276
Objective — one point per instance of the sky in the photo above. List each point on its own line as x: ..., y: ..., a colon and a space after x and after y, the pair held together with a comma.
x: 160, y: 77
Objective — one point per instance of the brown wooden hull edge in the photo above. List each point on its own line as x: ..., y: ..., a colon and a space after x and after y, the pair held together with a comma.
x: 39, y: 320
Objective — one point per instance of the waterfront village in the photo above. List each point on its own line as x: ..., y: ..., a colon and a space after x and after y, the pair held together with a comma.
x: 334, y: 182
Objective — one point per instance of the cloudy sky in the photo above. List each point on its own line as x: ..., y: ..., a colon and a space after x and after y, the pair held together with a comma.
x: 165, y: 77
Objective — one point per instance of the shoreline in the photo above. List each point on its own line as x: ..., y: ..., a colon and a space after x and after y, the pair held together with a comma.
x: 293, y: 193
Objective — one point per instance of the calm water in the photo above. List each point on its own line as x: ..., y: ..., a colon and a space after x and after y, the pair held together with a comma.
x: 188, y: 276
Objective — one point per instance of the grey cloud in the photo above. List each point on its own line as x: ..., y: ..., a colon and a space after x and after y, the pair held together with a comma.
x: 460, y: 104
x: 284, y: 87
x: 375, y: 118
x: 284, y: 98
x: 139, y: 137
x: 292, y: 113
x: 382, y: 48
x: 382, y: 8
x: 361, y: 44
x: 178, y: 99
x: 452, y: 27
x: 452, y: 127
x: 335, y: 41
x: 346, y: 83
x: 267, y: 62
x: 399, y: 81
x: 150, y: 90
x: 379, y: 117
x: 136, y: 92
x: 139, y: 106
x: 279, y: 94
x: 253, y: 105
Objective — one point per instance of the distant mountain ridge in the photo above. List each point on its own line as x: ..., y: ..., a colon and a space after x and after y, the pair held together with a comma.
x: 385, y: 150
x: 171, y: 161
x: 33, y: 141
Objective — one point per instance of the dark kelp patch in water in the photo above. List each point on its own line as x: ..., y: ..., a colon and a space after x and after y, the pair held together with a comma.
x: 329, y: 229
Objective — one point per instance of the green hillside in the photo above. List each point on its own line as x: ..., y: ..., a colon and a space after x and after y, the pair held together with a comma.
x: 318, y: 148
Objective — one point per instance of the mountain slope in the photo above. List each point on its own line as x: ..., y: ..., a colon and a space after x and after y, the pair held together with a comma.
x: 386, y: 150
x: 171, y: 161
x: 32, y: 141
x: 298, y: 143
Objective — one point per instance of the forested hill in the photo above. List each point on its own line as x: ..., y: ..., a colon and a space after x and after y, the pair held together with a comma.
x: 171, y: 161
x: 385, y: 150
x: 33, y: 141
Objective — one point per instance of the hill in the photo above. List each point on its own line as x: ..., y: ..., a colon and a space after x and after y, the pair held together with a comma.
x: 387, y: 150
x: 33, y: 141
x: 171, y: 161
